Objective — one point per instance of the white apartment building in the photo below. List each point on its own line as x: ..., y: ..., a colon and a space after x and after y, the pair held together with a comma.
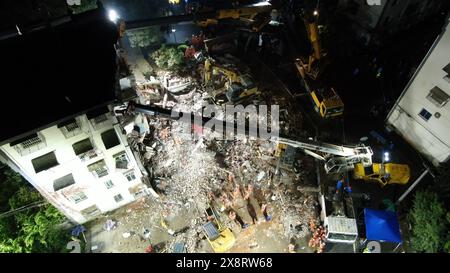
x: 83, y: 166
x: 421, y: 115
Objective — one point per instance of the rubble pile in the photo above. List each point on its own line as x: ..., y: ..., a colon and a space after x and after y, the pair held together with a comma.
x: 192, y: 172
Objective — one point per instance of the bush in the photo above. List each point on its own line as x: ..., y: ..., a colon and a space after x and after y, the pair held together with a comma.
x: 430, y: 223
x: 35, y: 229
x: 169, y: 58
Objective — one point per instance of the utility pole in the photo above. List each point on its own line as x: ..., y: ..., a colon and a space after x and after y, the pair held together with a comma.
x: 412, y: 186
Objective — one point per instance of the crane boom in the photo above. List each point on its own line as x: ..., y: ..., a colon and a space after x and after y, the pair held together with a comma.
x: 338, y: 158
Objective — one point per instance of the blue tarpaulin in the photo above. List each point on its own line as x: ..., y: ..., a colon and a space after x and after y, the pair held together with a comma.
x: 382, y: 225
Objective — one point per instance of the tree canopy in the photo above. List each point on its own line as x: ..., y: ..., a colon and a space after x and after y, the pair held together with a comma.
x: 168, y: 57
x: 34, y: 229
x: 144, y: 37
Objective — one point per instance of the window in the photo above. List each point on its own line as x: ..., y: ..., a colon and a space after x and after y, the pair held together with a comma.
x: 438, y: 97
x: 425, y: 114
x: 98, y: 117
x: 77, y: 197
x: 109, y: 184
x: 130, y: 175
x: 90, y: 211
x: 110, y: 139
x: 63, y: 182
x: 447, y: 78
x: 98, y: 169
x: 44, y: 162
x: 121, y: 160
x: 447, y: 68
x: 70, y: 128
x: 29, y: 144
x: 118, y: 198
x: 82, y: 147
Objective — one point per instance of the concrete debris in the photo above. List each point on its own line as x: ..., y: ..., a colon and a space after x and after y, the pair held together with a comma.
x: 239, y: 177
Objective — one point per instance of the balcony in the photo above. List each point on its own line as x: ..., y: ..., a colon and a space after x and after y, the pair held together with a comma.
x: 70, y: 128
x: 29, y: 144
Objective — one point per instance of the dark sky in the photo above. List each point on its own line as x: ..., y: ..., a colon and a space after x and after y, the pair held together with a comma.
x: 51, y: 74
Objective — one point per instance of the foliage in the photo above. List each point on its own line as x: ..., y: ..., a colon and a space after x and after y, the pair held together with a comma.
x: 144, y: 37
x: 170, y: 58
x: 429, y: 222
x: 84, y: 5
x: 442, y: 183
x: 32, y: 230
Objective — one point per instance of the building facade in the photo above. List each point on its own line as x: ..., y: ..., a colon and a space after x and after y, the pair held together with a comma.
x: 83, y: 166
x: 373, y: 18
x: 421, y: 115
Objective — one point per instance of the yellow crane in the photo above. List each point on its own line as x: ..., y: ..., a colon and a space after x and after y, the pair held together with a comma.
x: 325, y: 99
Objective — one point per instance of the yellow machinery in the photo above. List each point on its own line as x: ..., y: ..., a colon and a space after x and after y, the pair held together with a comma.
x: 387, y: 173
x: 245, y: 13
x: 236, y: 86
x: 221, y: 238
x: 325, y: 99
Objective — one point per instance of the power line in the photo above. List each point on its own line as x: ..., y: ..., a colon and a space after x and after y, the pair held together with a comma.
x: 23, y: 208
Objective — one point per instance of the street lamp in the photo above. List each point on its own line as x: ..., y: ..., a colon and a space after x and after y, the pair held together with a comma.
x: 316, y: 12
x: 174, y: 35
x: 386, y: 157
x: 112, y: 15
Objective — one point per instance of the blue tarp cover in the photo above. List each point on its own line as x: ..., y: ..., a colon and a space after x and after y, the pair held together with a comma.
x: 382, y: 226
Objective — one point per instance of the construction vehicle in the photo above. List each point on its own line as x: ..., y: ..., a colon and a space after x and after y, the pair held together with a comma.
x: 325, y: 99
x: 220, y: 237
x: 246, y: 14
x: 383, y: 173
x: 337, y: 158
x: 228, y: 81
x: 206, y: 17
x: 338, y: 216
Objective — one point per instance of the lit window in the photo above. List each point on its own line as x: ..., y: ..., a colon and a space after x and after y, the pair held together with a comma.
x: 109, y: 184
x: 438, y: 97
x: 130, y: 175
x: 45, y: 162
x: 98, y: 169
x: 121, y: 160
x: 118, y: 198
x: 425, y: 114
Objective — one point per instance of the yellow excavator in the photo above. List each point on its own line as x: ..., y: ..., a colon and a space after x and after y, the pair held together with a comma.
x: 325, y: 99
x: 245, y: 13
x: 228, y: 81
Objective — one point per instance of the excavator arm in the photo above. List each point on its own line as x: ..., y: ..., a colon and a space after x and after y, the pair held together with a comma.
x: 338, y: 158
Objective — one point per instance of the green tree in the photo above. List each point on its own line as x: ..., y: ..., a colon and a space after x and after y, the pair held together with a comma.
x: 35, y: 229
x: 170, y: 58
x: 145, y: 37
x: 85, y: 5
x: 429, y: 222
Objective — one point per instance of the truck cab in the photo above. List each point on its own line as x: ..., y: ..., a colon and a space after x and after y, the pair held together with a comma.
x: 383, y: 173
